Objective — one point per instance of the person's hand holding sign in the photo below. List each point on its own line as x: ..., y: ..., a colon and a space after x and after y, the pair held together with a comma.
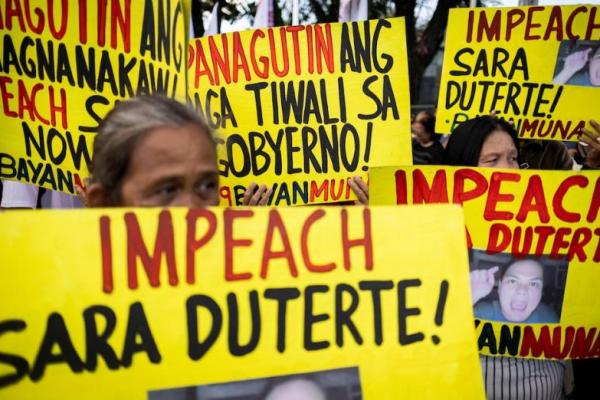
x: 360, y: 189
x: 257, y: 195
x: 482, y: 283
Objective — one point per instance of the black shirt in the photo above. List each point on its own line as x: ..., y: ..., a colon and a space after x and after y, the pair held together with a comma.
x: 433, y: 154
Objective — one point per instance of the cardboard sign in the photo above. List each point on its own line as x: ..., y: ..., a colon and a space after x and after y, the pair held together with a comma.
x: 539, y: 66
x: 143, y: 303
x: 64, y: 64
x: 535, y: 249
x: 303, y: 108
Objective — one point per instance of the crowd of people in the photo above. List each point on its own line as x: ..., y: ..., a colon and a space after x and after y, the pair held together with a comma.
x: 155, y: 152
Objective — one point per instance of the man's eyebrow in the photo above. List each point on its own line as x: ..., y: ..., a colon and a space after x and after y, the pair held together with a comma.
x: 512, y: 275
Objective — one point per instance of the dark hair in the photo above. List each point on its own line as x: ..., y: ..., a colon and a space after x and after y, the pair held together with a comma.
x: 465, y: 142
x: 504, y: 268
x: 125, y: 125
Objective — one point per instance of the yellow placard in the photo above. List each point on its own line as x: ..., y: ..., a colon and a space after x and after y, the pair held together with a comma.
x: 303, y: 108
x: 535, y: 237
x: 539, y: 66
x: 143, y: 303
x: 63, y: 68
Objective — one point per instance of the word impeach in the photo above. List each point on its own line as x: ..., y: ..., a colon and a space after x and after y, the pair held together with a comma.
x: 276, y: 229
x: 534, y: 204
x: 139, y: 292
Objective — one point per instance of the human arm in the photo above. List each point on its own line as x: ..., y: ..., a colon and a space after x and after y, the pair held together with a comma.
x: 482, y: 283
x: 256, y: 195
x: 19, y: 196
x: 573, y: 63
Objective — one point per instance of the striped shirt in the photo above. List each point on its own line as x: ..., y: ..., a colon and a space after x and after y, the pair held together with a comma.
x: 519, y: 378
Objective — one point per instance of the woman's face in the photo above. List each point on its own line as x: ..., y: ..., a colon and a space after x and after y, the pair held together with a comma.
x: 172, y: 167
x: 498, y: 151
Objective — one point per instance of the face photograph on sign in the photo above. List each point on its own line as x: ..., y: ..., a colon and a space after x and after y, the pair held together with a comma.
x: 336, y: 384
x: 517, y: 290
x: 578, y: 63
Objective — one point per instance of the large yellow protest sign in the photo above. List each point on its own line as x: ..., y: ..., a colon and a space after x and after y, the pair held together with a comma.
x: 303, y: 108
x: 539, y: 66
x: 64, y: 64
x: 535, y: 250
x: 140, y: 303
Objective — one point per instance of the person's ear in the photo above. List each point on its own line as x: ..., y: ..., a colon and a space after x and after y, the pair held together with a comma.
x: 97, y: 196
